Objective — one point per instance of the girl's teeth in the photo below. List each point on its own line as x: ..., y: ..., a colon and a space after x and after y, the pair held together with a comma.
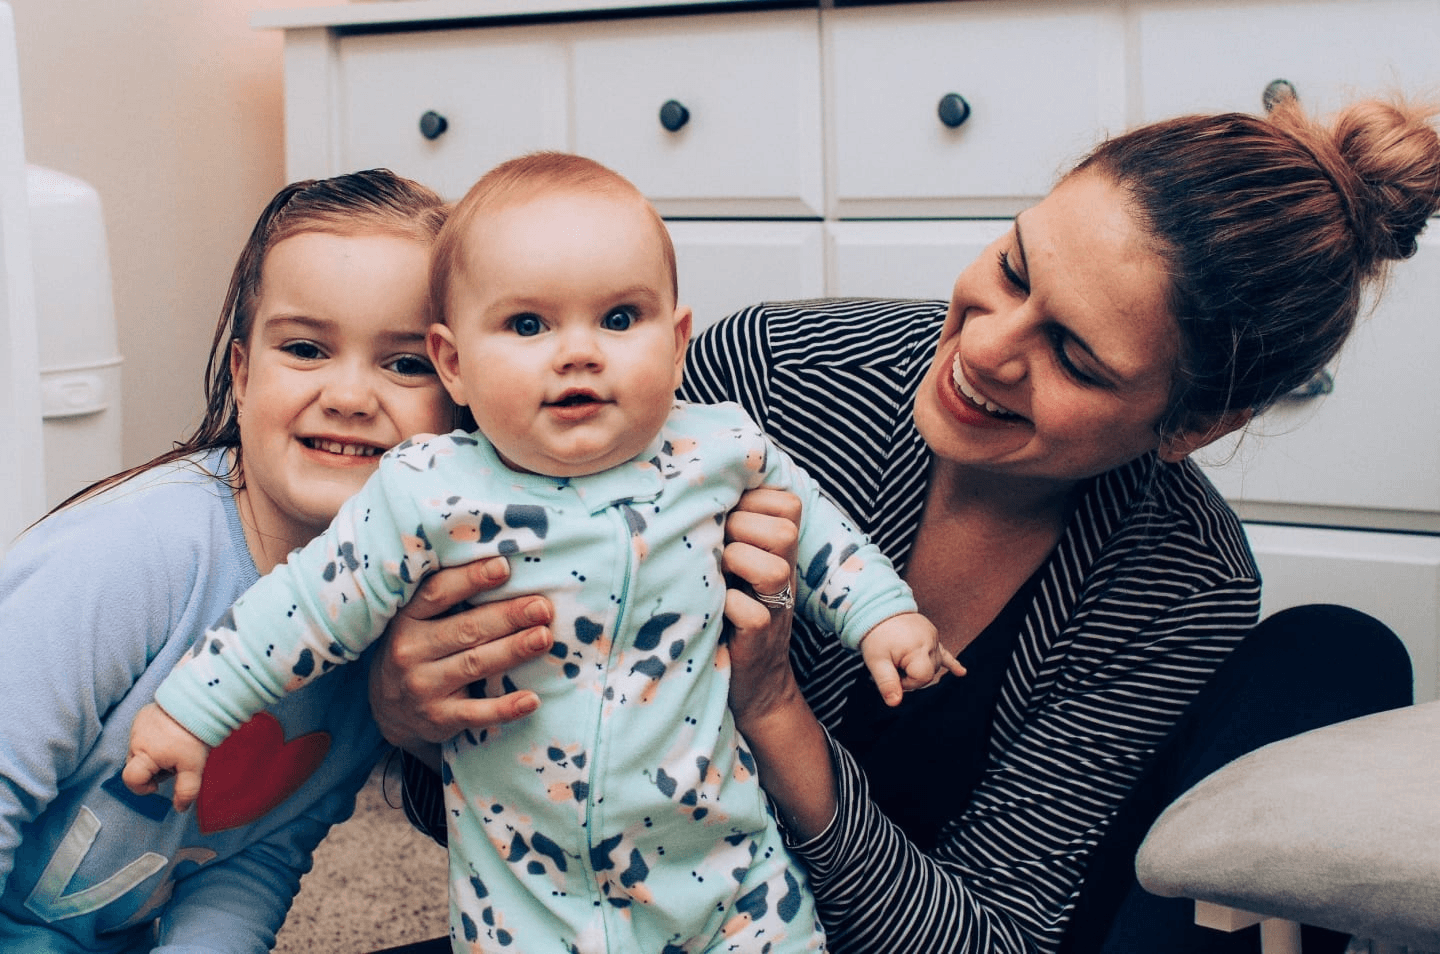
x: 347, y: 450
x: 964, y: 387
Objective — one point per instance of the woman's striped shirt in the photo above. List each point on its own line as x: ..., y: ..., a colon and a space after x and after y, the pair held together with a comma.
x: 1151, y: 586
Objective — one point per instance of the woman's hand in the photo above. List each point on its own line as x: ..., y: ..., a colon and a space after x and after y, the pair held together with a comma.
x: 762, y: 534
x: 791, y: 751
x: 421, y: 675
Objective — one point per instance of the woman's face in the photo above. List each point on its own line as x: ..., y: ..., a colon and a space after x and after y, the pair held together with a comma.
x: 1058, y: 353
x: 334, y: 373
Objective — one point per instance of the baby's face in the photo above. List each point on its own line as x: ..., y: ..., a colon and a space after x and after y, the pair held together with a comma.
x: 563, y: 335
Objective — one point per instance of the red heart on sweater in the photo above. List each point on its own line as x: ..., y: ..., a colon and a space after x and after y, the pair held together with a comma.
x: 253, y: 771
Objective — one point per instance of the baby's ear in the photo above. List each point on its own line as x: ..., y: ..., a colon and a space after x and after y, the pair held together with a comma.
x: 440, y: 343
x: 684, y: 321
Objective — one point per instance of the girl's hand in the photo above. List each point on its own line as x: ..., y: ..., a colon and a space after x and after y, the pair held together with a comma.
x: 762, y: 534
x: 421, y: 675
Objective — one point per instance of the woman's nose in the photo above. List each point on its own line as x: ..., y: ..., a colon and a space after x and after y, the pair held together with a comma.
x: 993, y: 345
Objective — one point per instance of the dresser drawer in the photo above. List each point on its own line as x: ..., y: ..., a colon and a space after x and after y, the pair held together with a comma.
x: 500, y: 92
x: 1042, y: 81
x: 750, y: 88
x: 904, y: 259
x: 1373, y: 443
x: 1203, y: 56
x: 726, y: 266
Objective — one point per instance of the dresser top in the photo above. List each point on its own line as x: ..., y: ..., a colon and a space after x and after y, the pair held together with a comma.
x: 398, y: 12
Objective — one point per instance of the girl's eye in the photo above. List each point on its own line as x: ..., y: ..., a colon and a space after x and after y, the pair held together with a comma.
x: 1011, y: 275
x: 306, y: 350
x: 526, y: 326
x: 618, y: 319
x: 411, y: 365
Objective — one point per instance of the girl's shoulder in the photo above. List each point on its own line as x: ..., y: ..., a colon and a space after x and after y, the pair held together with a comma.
x: 187, y: 497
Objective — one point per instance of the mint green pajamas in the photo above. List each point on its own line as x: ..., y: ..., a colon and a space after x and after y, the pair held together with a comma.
x: 624, y: 814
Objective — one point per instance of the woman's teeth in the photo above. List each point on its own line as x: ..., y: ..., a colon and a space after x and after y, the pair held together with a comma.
x: 964, y: 387
x: 347, y: 450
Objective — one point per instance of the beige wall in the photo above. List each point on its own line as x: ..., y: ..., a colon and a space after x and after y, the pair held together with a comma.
x: 172, y: 110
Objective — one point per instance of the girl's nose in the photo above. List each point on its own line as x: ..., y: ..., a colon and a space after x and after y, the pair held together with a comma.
x: 350, y: 392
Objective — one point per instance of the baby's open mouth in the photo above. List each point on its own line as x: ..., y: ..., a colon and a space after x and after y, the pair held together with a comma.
x: 575, y: 399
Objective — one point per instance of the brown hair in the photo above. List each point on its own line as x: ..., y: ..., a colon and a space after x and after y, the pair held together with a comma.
x: 519, y: 180
x: 372, y: 202
x: 1271, y: 227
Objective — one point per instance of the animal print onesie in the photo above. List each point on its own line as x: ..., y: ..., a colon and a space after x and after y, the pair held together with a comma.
x: 624, y: 814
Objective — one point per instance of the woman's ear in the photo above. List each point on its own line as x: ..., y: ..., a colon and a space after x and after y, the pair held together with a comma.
x: 440, y: 343
x: 1177, y: 447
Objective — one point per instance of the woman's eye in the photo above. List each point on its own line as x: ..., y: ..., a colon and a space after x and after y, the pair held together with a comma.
x: 1011, y: 275
x: 306, y: 350
x: 1058, y: 340
x: 618, y: 319
x: 526, y: 325
x: 411, y: 365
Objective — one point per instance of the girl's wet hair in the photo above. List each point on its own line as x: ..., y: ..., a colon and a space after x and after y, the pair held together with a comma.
x: 373, y: 202
x: 1272, y: 227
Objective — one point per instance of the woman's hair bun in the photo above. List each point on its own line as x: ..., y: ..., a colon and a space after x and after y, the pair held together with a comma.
x: 1384, y: 158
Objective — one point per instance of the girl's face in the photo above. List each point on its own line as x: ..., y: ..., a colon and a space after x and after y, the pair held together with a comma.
x: 334, y: 373
x: 1058, y: 354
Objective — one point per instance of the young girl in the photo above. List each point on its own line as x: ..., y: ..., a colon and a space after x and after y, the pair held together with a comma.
x: 624, y: 815
x: 318, y: 365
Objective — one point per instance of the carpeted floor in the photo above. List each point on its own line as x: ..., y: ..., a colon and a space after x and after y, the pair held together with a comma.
x: 376, y: 883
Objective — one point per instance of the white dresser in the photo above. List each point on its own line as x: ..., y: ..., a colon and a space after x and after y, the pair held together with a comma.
x: 874, y: 150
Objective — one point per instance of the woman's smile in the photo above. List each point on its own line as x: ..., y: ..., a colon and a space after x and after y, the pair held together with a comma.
x: 975, y: 397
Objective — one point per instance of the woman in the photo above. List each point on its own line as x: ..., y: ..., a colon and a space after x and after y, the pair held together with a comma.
x: 1021, y: 456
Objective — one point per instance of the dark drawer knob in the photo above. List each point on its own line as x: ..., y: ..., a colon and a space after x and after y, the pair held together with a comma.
x: 674, y: 115
x: 953, y: 110
x: 1276, y: 92
x: 433, y: 125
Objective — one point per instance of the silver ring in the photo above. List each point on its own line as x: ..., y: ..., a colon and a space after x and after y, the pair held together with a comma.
x: 783, y: 600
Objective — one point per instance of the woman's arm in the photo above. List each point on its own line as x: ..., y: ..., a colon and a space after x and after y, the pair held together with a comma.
x: 423, y: 668
x: 790, y: 748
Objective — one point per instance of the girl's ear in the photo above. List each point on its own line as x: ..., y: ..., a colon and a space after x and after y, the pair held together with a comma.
x: 684, y: 322
x: 440, y: 343
x: 239, y: 372
x: 1177, y: 447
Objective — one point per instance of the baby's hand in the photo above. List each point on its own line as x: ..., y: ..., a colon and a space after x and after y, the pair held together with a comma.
x: 904, y: 653
x: 161, y: 747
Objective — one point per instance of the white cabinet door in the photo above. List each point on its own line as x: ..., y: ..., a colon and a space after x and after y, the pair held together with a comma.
x: 1374, y: 442
x: 725, y: 266
x: 1201, y: 56
x: 750, y: 88
x: 501, y: 92
x: 904, y: 259
x: 1043, y: 83
x: 1394, y: 577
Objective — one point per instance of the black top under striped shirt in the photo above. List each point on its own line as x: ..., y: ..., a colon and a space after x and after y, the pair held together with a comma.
x: 1089, y: 666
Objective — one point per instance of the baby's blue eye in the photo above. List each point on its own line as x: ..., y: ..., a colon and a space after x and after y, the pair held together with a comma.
x: 618, y: 319
x: 526, y: 325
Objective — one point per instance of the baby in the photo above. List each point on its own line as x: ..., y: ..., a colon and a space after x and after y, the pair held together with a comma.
x: 624, y: 814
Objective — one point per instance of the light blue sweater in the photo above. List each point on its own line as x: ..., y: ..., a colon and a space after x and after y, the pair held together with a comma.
x: 97, y: 603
